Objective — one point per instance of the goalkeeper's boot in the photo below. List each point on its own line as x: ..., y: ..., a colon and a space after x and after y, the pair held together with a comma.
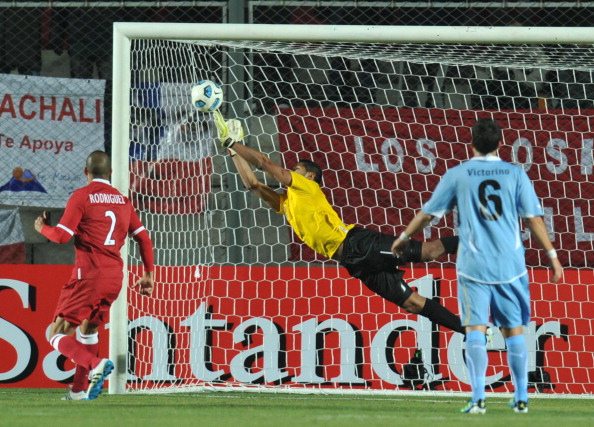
x: 519, y: 407
x: 74, y: 395
x: 477, y: 407
x: 97, y: 377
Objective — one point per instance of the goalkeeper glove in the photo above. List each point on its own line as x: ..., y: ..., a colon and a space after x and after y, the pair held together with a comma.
x: 229, y: 132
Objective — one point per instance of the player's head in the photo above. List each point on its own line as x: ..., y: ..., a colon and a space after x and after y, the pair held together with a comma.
x: 486, y: 135
x: 98, y: 165
x: 309, y: 169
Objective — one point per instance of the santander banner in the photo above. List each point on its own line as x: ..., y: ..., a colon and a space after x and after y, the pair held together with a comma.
x: 48, y: 126
x: 302, y: 327
x: 381, y: 165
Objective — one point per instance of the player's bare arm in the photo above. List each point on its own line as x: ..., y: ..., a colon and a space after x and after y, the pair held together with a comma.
x: 271, y: 197
x: 262, y: 161
x: 252, y: 183
x: 146, y: 283
x: 418, y: 223
x: 244, y: 169
x: 231, y: 135
x: 538, y: 229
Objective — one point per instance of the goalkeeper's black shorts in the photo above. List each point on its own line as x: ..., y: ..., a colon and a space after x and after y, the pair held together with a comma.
x: 366, y: 254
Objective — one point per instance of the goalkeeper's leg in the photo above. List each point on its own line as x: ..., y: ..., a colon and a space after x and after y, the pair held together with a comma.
x: 390, y: 286
x: 433, y: 311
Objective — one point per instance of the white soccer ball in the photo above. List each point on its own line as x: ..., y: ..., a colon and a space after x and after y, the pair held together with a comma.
x: 207, y: 96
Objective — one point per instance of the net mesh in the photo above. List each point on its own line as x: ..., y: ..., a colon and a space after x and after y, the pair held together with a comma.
x: 240, y: 302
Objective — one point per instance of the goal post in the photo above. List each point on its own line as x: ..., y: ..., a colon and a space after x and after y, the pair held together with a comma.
x: 239, y: 302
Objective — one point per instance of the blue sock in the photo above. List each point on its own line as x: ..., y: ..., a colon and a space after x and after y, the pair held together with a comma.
x: 476, y: 361
x: 517, y: 359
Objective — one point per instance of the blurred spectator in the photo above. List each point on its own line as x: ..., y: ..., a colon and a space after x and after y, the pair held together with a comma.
x: 20, y: 48
x: 55, y: 59
x: 54, y: 30
x: 91, y: 42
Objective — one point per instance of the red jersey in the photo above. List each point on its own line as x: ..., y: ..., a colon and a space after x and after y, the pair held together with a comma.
x: 100, y: 218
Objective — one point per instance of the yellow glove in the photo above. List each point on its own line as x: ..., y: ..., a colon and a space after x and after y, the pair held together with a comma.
x: 230, y: 131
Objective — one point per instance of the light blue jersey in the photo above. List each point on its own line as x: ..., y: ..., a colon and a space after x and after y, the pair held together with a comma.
x: 489, y: 195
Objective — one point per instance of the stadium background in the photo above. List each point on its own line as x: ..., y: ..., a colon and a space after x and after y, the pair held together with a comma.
x: 74, y: 39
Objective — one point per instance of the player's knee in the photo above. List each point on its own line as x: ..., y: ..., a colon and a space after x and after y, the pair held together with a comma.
x: 432, y: 250
x: 51, y: 332
x: 88, y: 327
x: 60, y: 326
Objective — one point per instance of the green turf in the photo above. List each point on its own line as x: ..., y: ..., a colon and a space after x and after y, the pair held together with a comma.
x: 43, y: 408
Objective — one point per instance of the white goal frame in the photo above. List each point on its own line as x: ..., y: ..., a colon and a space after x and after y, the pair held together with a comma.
x: 123, y: 33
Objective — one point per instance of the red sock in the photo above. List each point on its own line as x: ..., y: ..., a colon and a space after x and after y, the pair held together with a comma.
x: 72, y: 349
x: 81, y: 374
x: 81, y: 379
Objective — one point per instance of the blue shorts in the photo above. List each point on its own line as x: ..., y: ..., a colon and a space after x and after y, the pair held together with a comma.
x: 508, y: 304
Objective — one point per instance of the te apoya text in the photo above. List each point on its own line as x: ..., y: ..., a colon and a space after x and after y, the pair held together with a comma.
x: 27, y: 142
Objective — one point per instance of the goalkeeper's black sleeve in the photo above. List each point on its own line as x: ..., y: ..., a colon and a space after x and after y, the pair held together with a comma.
x: 413, y: 251
x: 450, y: 244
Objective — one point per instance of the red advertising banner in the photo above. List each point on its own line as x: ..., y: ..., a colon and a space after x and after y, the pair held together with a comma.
x: 381, y: 165
x: 298, y: 326
x: 28, y: 297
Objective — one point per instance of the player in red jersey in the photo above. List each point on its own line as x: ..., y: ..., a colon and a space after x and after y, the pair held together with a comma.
x: 100, y: 218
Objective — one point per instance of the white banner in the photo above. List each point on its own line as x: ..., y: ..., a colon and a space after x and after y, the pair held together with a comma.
x: 48, y: 126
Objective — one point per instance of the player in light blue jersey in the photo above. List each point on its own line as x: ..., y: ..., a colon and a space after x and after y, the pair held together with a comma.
x: 490, y: 196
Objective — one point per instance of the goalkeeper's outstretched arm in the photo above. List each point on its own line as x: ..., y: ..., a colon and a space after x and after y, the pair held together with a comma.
x: 231, y: 135
x: 252, y: 183
x: 244, y: 170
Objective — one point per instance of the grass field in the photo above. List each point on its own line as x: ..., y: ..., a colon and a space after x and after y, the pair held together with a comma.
x: 29, y: 407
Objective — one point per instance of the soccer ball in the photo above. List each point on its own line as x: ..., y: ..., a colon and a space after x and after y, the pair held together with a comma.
x: 207, y: 96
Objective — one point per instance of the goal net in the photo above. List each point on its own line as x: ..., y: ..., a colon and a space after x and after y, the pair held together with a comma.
x: 240, y: 303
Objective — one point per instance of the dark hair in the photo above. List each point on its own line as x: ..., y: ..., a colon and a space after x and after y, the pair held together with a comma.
x: 99, y: 164
x: 486, y: 135
x: 314, y: 168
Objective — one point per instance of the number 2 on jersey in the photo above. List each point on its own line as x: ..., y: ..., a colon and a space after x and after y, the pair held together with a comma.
x: 108, y: 240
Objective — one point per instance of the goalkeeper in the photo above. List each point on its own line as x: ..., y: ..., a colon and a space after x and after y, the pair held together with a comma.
x: 366, y: 254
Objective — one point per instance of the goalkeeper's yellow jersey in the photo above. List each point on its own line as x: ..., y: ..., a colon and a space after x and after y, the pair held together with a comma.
x: 313, y: 219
